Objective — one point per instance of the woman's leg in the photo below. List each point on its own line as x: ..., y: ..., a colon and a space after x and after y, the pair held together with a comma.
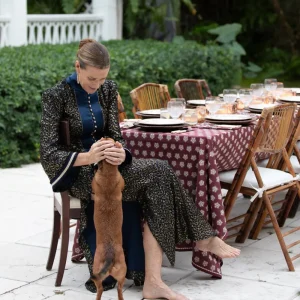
x: 154, y: 287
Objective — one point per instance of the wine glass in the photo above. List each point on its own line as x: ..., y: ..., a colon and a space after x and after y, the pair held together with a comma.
x: 213, y: 104
x: 270, y: 84
x: 176, y: 108
x: 257, y: 89
x: 245, y: 96
x: 230, y: 96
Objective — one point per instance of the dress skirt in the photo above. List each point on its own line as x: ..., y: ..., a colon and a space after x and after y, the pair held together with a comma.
x: 152, y: 193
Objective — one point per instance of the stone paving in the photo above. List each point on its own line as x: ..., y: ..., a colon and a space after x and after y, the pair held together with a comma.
x: 25, y: 230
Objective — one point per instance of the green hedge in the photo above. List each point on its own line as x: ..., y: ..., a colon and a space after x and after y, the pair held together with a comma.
x: 27, y: 71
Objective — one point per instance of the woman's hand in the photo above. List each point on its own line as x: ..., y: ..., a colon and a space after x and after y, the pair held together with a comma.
x: 115, y: 155
x: 97, y: 151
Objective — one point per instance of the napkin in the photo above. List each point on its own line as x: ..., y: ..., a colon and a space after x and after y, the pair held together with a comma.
x: 128, y: 123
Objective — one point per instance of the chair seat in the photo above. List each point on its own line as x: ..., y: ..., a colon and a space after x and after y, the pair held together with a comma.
x: 74, y: 202
x: 270, y: 177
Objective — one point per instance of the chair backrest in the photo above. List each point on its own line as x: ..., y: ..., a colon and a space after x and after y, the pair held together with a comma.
x: 149, y: 96
x: 294, y: 138
x: 121, y: 109
x: 277, y: 134
x: 190, y: 89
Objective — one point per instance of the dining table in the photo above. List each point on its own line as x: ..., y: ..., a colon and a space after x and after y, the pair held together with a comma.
x: 197, y: 155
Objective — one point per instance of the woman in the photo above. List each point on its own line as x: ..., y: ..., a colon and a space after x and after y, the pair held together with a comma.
x: 89, y: 101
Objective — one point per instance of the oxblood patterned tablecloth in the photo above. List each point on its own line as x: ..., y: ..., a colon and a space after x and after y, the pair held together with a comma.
x: 196, y: 156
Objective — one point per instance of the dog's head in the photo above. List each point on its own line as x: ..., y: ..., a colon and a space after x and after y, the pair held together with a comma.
x: 100, y: 163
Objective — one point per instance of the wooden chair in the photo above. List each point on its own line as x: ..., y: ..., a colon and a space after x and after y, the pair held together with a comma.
x: 149, y: 96
x: 190, y: 89
x: 122, y: 113
x: 263, y: 217
x: 271, y: 135
x: 66, y: 208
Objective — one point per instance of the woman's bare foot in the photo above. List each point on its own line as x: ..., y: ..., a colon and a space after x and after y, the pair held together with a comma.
x: 218, y: 247
x: 157, y: 289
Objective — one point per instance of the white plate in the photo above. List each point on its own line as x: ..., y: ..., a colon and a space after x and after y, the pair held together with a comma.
x: 196, y: 102
x: 261, y: 106
x: 296, y: 90
x: 229, y: 117
x: 290, y: 99
x: 150, y: 112
x: 161, y: 122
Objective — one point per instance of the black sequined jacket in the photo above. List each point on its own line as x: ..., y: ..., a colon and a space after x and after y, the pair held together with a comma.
x: 59, y: 102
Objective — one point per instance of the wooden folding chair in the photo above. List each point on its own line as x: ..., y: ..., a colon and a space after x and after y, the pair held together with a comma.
x: 190, y: 89
x: 122, y: 113
x: 149, y: 96
x: 263, y: 217
x: 271, y: 135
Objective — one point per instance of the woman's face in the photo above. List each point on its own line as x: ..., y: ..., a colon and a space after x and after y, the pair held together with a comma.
x: 91, y: 78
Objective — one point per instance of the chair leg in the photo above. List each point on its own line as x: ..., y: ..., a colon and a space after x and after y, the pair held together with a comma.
x: 258, y: 224
x: 249, y: 220
x: 294, y: 208
x: 55, y: 237
x: 278, y: 233
x: 63, y: 250
x: 290, y: 199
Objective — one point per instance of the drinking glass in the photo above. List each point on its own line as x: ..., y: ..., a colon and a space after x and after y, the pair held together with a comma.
x: 257, y: 89
x: 270, y: 84
x: 230, y: 95
x: 245, y: 96
x: 176, y: 108
x: 280, y: 85
x: 190, y: 117
x: 213, y: 104
x: 164, y: 114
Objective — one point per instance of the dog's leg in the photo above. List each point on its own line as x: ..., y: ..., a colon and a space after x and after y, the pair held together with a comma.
x: 99, y: 290
x: 119, y: 270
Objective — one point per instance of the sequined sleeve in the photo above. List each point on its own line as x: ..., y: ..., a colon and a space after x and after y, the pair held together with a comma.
x: 112, y: 128
x: 56, y: 160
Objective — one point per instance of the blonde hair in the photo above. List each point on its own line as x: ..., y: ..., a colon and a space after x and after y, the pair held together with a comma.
x: 92, y: 53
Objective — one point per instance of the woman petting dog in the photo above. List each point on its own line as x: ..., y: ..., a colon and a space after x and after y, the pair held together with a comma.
x: 152, y: 190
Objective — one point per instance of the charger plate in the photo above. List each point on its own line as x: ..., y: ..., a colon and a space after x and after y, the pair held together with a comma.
x: 149, y: 113
x: 295, y: 99
x: 161, y: 122
x: 230, y: 119
x: 196, y: 102
x: 259, y: 107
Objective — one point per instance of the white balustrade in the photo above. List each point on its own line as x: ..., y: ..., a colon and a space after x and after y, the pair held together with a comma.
x: 62, y: 29
x: 4, y: 23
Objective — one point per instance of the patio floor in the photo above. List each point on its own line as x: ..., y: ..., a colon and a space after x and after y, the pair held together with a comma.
x: 25, y: 231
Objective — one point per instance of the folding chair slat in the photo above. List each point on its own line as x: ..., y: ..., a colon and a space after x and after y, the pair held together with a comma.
x: 295, y: 257
x: 290, y: 231
x: 293, y: 244
x: 236, y: 218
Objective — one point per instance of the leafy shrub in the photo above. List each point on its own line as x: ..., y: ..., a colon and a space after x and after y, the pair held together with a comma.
x: 27, y: 71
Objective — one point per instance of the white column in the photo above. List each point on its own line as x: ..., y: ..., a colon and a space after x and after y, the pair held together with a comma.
x: 16, y: 10
x: 109, y: 11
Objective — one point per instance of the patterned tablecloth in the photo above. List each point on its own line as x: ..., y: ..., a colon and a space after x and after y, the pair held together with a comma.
x: 196, y: 156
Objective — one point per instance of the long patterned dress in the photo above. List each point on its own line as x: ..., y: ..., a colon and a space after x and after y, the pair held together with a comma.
x: 151, y: 187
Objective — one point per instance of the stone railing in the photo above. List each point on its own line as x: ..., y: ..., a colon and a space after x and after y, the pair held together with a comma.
x: 4, y: 23
x: 62, y: 29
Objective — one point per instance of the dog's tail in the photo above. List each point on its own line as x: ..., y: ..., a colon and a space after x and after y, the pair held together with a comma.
x: 109, y: 259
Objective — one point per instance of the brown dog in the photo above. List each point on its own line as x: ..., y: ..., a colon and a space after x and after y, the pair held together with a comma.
x: 109, y: 259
